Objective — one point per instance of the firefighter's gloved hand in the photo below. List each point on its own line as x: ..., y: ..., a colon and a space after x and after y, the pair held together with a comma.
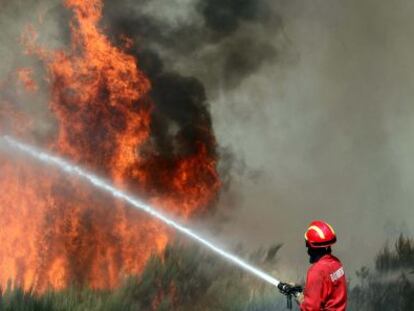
x: 299, y: 297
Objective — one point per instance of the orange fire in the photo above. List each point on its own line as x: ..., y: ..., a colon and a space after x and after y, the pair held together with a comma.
x: 25, y: 75
x: 56, y: 231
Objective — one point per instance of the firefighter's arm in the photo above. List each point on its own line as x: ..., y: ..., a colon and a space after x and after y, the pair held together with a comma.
x: 313, y: 294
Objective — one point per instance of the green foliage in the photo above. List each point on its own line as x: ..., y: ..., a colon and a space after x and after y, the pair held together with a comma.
x: 185, y: 278
x: 401, y: 258
x: 391, y: 285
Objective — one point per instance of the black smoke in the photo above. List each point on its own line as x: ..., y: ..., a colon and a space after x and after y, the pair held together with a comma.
x: 225, y: 16
x: 234, y: 32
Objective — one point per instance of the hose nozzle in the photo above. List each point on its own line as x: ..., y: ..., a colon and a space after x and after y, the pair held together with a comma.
x: 289, y: 290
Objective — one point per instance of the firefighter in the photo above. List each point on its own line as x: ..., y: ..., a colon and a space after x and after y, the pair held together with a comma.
x: 325, y: 287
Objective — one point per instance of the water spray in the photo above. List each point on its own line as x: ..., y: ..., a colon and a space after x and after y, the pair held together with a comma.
x: 100, y: 183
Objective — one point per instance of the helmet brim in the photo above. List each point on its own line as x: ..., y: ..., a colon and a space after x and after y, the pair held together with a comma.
x: 320, y: 244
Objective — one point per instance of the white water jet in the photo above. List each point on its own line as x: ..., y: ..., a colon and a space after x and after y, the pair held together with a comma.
x: 99, y: 183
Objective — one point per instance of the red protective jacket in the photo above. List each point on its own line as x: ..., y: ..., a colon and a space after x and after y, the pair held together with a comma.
x: 325, y: 287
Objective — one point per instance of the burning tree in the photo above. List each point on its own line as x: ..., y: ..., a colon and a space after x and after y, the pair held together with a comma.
x: 56, y: 232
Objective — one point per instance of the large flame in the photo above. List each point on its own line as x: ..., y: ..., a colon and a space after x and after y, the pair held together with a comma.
x: 56, y: 232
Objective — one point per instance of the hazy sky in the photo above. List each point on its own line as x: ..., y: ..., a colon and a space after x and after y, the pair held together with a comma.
x: 332, y: 132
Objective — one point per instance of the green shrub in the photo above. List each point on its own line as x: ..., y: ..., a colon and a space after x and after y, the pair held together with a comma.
x: 391, y: 285
x: 185, y: 278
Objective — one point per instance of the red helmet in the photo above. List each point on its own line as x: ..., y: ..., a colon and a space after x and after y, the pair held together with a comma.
x: 320, y: 234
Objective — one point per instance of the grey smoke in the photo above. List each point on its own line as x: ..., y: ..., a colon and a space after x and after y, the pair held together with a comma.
x: 332, y: 133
